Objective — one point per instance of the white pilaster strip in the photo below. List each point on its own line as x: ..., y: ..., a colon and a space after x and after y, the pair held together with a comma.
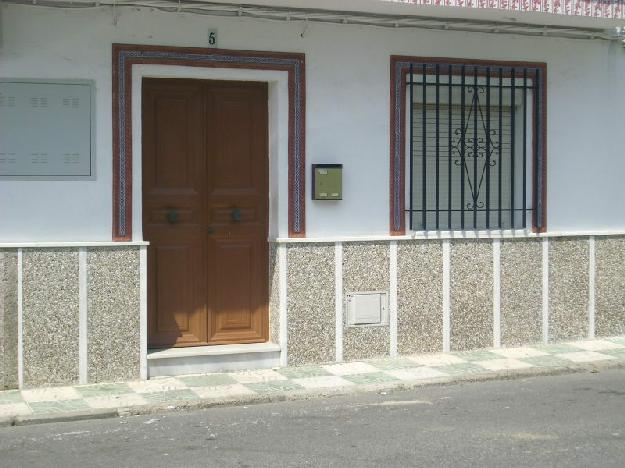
x: 393, y: 297
x: 143, y: 312
x: 20, y: 319
x: 82, y: 315
x: 282, y: 280
x: 591, y: 286
x: 338, y: 301
x: 446, y: 296
x: 497, y: 293
x: 545, y: 290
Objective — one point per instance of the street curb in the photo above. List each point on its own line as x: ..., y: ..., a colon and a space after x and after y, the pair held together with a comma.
x: 297, y: 395
x: 33, y: 419
x: 7, y: 422
x: 307, y: 394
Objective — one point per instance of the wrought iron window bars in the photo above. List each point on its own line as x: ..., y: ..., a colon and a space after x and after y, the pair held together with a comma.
x: 468, y: 153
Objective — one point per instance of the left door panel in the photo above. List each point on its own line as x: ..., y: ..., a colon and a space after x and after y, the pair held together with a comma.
x: 174, y: 189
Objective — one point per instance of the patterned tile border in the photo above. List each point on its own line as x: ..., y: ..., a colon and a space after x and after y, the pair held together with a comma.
x: 586, y: 8
x: 173, y: 391
x: 399, y: 67
x: 127, y: 55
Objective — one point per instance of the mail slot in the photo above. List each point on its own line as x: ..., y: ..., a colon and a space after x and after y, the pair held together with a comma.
x: 327, y: 181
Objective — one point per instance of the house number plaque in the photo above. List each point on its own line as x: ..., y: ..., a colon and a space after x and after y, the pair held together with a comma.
x: 212, y: 38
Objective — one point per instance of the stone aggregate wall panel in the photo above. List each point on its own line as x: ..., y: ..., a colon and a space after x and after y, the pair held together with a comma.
x: 365, y: 342
x: 50, y: 316
x: 310, y: 303
x: 8, y: 319
x: 419, y: 297
x: 568, y: 288
x: 521, y: 292
x: 113, y: 314
x: 3, y: 289
x: 471, y: 295
x: 274, y: 294
x: 609, y: 286
x: 365, y: 268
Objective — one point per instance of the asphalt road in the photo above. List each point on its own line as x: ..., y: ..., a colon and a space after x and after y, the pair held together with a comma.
x: 568, y: 420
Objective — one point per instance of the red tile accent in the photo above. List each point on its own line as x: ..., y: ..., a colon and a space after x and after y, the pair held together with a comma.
x: 127, y: 55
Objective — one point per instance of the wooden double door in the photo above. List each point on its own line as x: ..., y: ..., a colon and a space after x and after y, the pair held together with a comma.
x: 205, y: 211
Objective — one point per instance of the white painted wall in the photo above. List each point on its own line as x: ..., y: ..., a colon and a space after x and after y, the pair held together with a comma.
x: 347, y: 112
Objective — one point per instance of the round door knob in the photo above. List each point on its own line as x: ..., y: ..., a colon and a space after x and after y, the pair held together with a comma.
x: 235, y: 214
x: 173, y: 216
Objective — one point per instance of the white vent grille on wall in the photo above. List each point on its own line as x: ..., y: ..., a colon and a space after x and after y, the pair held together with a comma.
x: 47, y: 129
x: 367, y: 308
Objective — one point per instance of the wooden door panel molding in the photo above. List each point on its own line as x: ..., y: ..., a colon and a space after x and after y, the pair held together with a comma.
x: 159, y: 215
x: 173, y: 288
x: 208, y: 264
x: 223, y: 214
x: 232, y: 172
x: 125, y: 56
x: 232, y: 300
x: 173, y: 210
x: 176, y: 315
x: 168, y: 112
x: 238, y: 168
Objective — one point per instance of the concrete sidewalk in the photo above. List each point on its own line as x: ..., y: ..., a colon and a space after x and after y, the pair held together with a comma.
x: 197, y: 391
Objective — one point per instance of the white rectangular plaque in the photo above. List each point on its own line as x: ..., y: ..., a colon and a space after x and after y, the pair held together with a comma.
x: 46, y: 129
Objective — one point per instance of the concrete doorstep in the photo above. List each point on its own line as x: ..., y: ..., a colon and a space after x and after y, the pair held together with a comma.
x: 108, y: 400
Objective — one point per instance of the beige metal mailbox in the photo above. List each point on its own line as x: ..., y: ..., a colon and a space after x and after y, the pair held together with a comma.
x: 327, y: 182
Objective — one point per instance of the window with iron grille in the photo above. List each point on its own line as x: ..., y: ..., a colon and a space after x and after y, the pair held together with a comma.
x: 475, y: 149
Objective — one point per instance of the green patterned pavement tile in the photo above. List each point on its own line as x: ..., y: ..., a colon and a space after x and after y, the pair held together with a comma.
x: 127, y: 400
x: 303, y: 372
x: 101, y: 390
x: 558, y: 348
x: 274, y: 386
x: 59, y: 406
x: 546, y: 361
x: 10, y: 397
x: 208, y: 380
x: 393, y: 364
x: 376, y: 377
x: 617, y: 353
x: 617, y: 339
x: 15, y: 409
x: 224, y: 380
x: 222, y: 391
x: 170, y: 396
x: 477, y: 355
x: 459, y: 369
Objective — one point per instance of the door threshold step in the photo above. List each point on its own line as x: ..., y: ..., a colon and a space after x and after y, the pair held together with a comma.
x: 207, y: 359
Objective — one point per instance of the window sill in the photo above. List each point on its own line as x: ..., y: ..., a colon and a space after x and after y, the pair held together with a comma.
x: 440, y: 235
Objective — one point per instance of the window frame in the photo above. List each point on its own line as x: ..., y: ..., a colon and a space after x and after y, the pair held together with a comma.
x: 399, y: 185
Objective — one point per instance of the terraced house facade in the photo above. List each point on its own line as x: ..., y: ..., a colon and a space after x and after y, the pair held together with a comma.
x: 187, y: 186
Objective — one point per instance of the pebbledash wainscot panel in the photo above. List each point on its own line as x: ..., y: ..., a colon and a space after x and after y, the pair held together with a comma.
x: 77, y: 318
x: 287, y: 182
x: 69, y: 315
x: 454, y: 294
